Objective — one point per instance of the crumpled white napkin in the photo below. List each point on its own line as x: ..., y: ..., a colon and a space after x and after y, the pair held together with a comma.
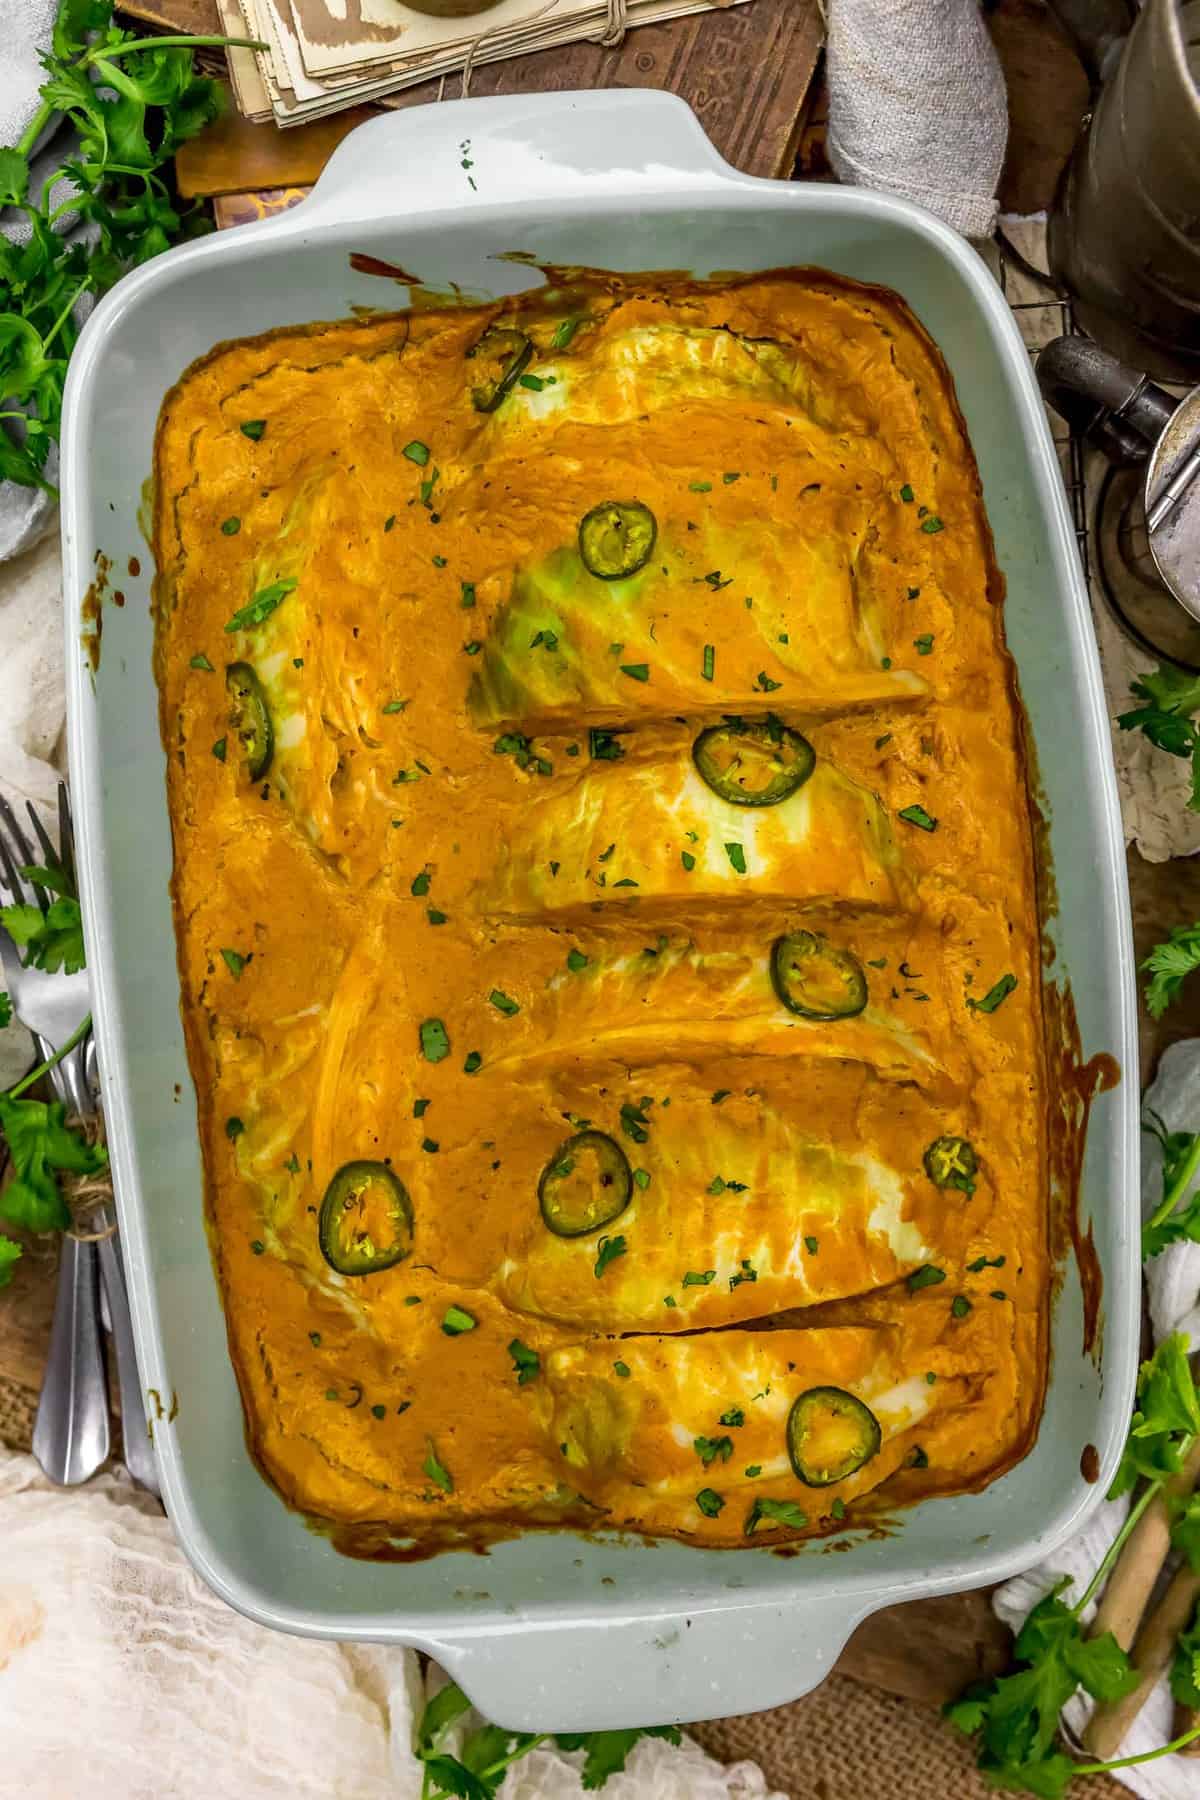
x: 121, y: 1674
x: 1173, y: 1285
x: 917, y: 105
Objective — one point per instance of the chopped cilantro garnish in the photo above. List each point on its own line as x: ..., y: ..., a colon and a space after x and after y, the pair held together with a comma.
x: 812, y: 1245
x: 926, y: 1276
x: 709, y: 1502
x: 262, y: 606
x: 420, y: 884
x: 985, y: 1262
x: 734, y: 1418
x: 699, y: 487
x: 473, y: 1063
x: 932, y: 524
x: 576, y: 960
x: 906, y: 494
x: 416, y: 452
x: 730, y: 476
x: 231, y: 526
x: 435, y: 1040
x: 688, y: 860
x: 253, y: 428
x: 436, y: 1470
x: 763, y: 680
x: 435, y: 917
x: 292, y: 1165
x: 467, y: 595
x: 960, y: 1306
x: 924, y: 643
x: 709, y: 1450
x: 699, y: 1277
x: 636, y: 671
x: 564, y: 331
x: 534, y: 382
x: 780, y: 1512
x: 634, y: 1119
x: 457, y: 1320
x: 622, y: 1369
x: 235, y: 962
x: 721, y: 1094
x: 709, y: 663
x: 395, y: 706
x: 389, y: 522
x: 642, y: 1178
x: 378, y: 1412
x: 526, y: 1362
x: 995, y: 996
x: 233, y: 1128
x: 200, y: 661
x: 737, y: 857
x: 607, y: 1251
x: 604, y: 746
x: 430, y: 1146
x: 916, y: 815
x: 473, y: 648
x: 504, y: 1003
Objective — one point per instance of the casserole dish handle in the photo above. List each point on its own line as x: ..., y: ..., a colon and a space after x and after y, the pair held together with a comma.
x: 464, y: 155
x: 604, y: 1674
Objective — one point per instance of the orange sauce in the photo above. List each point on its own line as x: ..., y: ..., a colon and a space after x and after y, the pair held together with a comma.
x: 482, y: 811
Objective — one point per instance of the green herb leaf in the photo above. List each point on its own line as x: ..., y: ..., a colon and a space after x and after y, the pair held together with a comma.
x: 737, y: 857
x: 1168, y: 965
x: 10, y: 1253
x: 995, y: 996
x: 435, y: 1470
x: 262, y: 606
x: 923, y: 644
x: 635, y: 1120
x: 53, y: 939
x: 713, y: 1449
x: 234, y: 1128
x: 1167, y: 1417
x: 734, y: 1418
x: 778, y: 1512
x: 235, y: 962
x: 622, y: 1369
x: 41, y: 1146
x: 526, y: 1362
x: 231, y: 526
x: 906, y: 494
x: 1185, y: 1667
x: 607, y: 1251
x: 504, y: 1003
x: 926, y: 1276
x: 253, y: 428
x: 710, y: 1502
x: 699, y: 1278
x: 200, y: 661
x: 416, y: 452
x: 960, y: 1306
x: 708, y: 665
x: 576, y: 960
x: 473, y: 1063
x: 435, y: 1040
x: 916, y: 815
x: 932, y: 524
x: 636, y: 671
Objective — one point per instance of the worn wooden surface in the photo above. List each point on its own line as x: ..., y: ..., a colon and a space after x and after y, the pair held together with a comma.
x: 745, y: 72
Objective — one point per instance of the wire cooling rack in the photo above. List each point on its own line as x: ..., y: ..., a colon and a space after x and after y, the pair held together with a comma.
x: 1040, y: 320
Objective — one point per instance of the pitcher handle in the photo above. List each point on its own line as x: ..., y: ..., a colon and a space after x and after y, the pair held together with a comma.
x: 1118, y: 408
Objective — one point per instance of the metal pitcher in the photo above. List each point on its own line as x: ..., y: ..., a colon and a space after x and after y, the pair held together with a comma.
x: 1124, y: 233
x: 1125, y: 413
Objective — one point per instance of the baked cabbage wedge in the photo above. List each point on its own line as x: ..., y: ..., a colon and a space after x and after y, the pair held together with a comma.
x: 604, y: 893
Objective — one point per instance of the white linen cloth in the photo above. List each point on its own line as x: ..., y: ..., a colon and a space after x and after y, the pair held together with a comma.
x: 1173, y: 1285
x: 917, y: 105
x: 123, y: 1677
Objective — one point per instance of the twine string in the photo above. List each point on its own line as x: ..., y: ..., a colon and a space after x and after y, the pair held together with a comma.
x: 610, y: 33
x: 90, y: 1197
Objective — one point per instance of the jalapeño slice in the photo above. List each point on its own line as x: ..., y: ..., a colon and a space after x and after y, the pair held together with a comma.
x: 616, y: 538
x: 505, y: 355
x: 951, y: 1162
x: 250, y: 717
x: 757, y: 764
x: 830, y: 1434
x: 816, y: 980
x: 366, y: 1222
x: 586, y: 1185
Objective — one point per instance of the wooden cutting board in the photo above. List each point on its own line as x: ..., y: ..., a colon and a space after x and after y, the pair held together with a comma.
x: 746, y: 73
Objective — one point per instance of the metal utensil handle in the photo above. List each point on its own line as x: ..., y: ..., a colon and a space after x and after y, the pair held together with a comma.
x: 139, y: 1455
x: 71, y: 1430
x: 1130, y: 412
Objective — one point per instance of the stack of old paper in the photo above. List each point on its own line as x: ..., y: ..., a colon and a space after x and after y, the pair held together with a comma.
x: 322, y: 55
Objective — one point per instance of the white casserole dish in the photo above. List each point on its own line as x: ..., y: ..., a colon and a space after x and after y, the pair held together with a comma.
x: 554, y: 1631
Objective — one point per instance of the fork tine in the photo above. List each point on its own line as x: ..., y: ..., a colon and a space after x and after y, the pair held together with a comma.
x: 49, y: 853
x: 66, y: 835
x: 19, y: 844
x: 21, y: 890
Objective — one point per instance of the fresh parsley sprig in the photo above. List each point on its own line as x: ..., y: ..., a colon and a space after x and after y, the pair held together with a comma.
x: 132, y: 101
x: 1168, y: 966
x: 1016, y: 1717
x: 1176, y: 1219
x: 486, y: 1754
x: 41, y: 1145
x: 1170, y: 698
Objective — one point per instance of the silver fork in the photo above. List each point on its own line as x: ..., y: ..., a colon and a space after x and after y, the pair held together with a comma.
x: 74, y: 1081
x: 71, y: 1431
